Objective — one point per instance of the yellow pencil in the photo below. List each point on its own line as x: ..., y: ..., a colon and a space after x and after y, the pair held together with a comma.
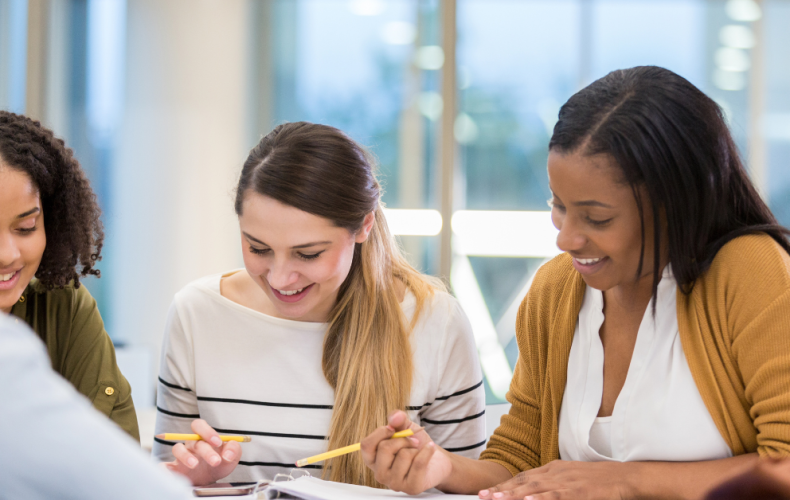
x: 346, y: 449
x: 194, y: 437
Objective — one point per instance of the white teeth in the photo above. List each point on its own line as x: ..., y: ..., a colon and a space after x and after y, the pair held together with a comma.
x: 290, y: 292
x: 588, y: 262
x: 6, y: 277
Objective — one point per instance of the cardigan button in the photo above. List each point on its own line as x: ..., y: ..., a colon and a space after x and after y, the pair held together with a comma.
x: 109, y: 391
x: 21, y: 299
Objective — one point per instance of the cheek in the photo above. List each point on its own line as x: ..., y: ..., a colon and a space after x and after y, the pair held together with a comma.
x: 336, y: 267
x: 255, y: 264
x: 32, y: 247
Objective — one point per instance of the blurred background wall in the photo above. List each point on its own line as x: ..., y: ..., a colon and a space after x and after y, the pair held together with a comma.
x: 161, y: 100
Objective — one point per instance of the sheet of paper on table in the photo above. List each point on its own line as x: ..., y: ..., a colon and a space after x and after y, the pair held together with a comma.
x: 311, y: 488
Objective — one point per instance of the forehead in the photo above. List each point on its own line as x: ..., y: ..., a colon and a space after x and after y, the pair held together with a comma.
x: 580, y: 177
x: 18, y: 193
x: 278, y: 224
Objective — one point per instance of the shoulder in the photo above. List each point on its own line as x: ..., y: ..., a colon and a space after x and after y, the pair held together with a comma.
x: 440, y: 308
x: 755, y: 262
x: 555, y: 279
x: 60, y: 303
x: 199, y: 291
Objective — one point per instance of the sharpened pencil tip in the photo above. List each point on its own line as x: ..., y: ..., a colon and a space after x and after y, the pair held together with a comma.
x: 160, y: 436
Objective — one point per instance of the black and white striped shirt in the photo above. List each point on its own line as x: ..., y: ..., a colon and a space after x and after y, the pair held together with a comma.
x: 248, y: 373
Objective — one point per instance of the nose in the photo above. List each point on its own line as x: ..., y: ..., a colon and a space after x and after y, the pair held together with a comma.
x: 282, y: 274
x: 570, y: 238
x: 9, y: 251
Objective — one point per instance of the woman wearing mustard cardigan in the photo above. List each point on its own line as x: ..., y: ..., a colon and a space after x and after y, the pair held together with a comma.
x: 655, y: 352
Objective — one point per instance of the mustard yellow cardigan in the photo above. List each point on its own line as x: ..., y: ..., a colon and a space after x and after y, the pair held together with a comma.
x: 735, y: 331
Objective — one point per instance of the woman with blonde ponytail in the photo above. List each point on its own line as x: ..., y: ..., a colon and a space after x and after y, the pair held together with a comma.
x: 325, y: 331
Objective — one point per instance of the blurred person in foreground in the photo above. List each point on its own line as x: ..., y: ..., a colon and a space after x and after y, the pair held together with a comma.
x: 50, y: 237
x: 769, y: 479
x: 55, y: 445
x: 654, y: 354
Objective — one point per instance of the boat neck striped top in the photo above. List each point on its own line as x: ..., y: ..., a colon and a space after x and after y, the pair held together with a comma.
x: 248, y: 373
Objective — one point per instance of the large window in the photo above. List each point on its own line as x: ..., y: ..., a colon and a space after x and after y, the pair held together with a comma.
x: 160, y: 101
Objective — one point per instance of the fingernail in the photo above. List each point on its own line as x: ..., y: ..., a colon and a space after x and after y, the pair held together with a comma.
x: 414, y: 441
x: 391, y: 428
x: 228, y: 455
x: 498, y: 495
x: 192, y: 462
x: 528, y: 497
x: 214, y: 460
x: 216, y: 441
x: 432, y: 444
x: 482, y: 493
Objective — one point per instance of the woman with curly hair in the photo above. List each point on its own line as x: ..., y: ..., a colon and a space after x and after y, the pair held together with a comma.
x: 41, y: 264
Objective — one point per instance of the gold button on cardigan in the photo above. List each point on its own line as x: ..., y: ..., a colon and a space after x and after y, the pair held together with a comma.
x: 735, y: 331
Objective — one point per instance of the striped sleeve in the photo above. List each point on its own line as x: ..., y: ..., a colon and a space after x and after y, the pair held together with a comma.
x: 176, y: 401
x: 455, y: 420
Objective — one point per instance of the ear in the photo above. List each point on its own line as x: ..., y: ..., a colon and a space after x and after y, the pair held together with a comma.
x: 367, y: 227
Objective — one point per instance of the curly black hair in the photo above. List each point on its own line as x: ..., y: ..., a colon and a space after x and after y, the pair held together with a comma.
x: 73, y: 226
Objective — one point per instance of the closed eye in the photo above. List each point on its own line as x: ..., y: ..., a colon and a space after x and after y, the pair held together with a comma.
x: 307, y: 256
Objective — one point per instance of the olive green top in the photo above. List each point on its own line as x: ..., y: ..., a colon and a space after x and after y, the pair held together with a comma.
x: 69, y: 323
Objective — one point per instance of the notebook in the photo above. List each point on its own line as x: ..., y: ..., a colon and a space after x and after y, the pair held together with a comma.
x: 311, y: 488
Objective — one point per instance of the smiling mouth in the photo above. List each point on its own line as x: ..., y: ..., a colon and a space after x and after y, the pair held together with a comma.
x: 588, y: 262
x: 290, y: 292
x: 7, y: 277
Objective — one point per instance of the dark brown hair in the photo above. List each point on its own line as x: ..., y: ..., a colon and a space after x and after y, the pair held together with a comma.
x: 668, y: 136
x: 72, y: 216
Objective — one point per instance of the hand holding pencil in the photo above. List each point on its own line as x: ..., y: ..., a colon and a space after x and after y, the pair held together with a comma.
x: 205, y: 457
x: 411, y: 465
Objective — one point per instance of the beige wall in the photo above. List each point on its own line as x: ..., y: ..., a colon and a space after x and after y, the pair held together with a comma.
x: 180, y: 149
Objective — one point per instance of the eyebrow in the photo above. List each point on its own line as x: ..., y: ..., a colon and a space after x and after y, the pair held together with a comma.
x: 28, y: 213
x: 304, y: 245
x: 592, y: 203
x: 585, y: 203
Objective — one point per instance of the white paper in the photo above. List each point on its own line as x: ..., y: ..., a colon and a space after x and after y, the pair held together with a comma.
x: 311, y: 488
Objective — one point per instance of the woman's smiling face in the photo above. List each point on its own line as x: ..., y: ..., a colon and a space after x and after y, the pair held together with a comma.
x: 598, y: 219
x: 22, y: 237
x: 297, y: 258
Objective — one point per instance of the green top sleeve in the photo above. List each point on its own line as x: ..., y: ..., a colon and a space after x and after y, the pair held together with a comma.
x: 69, y: 323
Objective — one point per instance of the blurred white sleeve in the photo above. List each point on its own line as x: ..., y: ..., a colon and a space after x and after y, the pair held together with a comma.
x: 55, y: 445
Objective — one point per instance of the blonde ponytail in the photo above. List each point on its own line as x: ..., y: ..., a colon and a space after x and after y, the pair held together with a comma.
x: 367, y: 351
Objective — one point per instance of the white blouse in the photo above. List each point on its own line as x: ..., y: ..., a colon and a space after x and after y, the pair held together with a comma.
x: 659, y: 414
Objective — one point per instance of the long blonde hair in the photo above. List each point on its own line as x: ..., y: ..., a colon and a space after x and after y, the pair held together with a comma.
x: 367, y: 357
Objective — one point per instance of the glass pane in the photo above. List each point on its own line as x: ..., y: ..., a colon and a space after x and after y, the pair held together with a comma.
x: 356, y: 66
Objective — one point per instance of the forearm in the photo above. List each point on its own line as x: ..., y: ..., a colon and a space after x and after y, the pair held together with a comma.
x: 687, y: 480
x: 469, y: 476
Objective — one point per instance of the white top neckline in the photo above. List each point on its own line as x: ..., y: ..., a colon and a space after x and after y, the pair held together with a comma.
x: 211, y: 285
x: 659, y: 413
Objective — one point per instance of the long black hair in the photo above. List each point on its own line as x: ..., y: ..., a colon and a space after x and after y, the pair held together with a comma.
x: 668, y: 136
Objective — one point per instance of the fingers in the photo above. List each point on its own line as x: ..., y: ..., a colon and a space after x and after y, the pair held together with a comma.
x: 207, y: 452
x: 369, y: 445
x: 399, y: 420
x: 206, y: 432
x: 231, y: 452
x: 184, y: 456
x: 385, y: 455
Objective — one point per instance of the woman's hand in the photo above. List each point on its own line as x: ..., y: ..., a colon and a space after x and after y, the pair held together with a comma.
x: 412, y: 464
x: 572, y: 480
x: 205, y: 462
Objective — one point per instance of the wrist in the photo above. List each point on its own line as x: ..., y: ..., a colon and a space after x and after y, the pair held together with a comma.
x: 448, y: 484
x: 637, y: 481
